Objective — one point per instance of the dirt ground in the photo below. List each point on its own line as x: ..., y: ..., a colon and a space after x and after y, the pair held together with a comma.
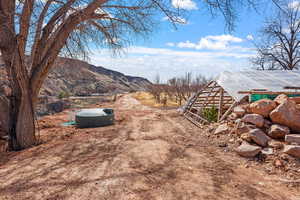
x: 149, y: 154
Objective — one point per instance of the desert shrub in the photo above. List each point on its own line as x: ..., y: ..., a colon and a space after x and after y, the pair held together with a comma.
x: 210, y: 114
x: 63, y: 94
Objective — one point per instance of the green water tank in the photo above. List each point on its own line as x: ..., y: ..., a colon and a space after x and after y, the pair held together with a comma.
x: 95, y: 117
x: 256, y: 97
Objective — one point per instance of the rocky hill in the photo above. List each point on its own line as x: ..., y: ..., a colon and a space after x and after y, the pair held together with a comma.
x: 80, y: 78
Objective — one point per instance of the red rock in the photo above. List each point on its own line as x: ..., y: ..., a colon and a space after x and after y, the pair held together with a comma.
x: 287, y: 114
x: 255, y: 119
x: 259, y: 137
x: 280, y: 99
x: 247, y: 150
x: 278, y: 131
x: 275, y: 144
x: 293, y: 138
x: 293, y: 150
x: 267, y: 124
x: 242, y: 127
x: 262, y: 107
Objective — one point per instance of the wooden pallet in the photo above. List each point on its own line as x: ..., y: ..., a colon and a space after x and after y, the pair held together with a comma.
x: 212, y: 95
x: 195, y: 119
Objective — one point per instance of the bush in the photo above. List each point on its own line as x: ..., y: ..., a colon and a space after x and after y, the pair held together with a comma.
x: 210, y: 114
x: 63, y: 94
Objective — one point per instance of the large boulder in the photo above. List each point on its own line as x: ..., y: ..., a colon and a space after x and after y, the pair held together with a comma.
x: 287, y: 114
x: 293, y: 138
x: 259, y: 137
x: 247, y: 150
x: 280, y: 99
x: 262, y: 107
x: 278, y: 131
x: 255, y: 119
x: 293, y: 150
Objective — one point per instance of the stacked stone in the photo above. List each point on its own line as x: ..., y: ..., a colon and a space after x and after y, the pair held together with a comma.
x: 266, y: 125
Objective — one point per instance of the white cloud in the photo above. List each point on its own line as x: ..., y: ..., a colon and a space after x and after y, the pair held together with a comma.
x: 164, y: 51
x: 187, y: 44
x: 250, y: 37
x: 170, y: 44
x: 294, y: 5
x: 216, y: 42
x: 225, y: 38
x: 185, y: 4
x: 147, y: 62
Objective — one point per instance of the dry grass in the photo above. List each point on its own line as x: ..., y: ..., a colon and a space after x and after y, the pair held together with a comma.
x: 147, y: 99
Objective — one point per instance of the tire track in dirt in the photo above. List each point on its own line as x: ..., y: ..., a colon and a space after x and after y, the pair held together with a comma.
x: 225, y: 180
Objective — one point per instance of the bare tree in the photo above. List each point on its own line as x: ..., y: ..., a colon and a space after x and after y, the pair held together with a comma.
x: 263, y: 62
x: 279, y: 45
x: 176, y: 89
x: 156, y: 88
x: 183, y: 87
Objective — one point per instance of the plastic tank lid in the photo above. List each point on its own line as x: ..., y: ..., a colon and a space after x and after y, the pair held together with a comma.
x: 93, y: 112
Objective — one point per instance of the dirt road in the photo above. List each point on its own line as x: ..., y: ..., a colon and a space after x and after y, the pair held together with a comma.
x: 149, y: 154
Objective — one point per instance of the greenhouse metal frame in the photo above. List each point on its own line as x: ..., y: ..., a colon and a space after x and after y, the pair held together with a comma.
x: 231, y: 88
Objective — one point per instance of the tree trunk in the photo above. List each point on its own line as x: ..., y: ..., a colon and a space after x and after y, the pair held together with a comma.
x: 22, y: 127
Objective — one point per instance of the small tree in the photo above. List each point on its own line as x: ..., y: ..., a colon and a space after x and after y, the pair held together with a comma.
x: 156, y: 88
x: 280, y: 40
x: 183, y: 87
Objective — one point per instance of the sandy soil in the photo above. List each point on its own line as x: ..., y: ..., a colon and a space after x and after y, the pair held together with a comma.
x: 149, y: 154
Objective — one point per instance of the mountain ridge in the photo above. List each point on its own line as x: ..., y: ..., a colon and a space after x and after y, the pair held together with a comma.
x: 80, y: 78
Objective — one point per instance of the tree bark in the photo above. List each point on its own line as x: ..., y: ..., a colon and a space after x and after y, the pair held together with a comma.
x: 21, y: 129
x: 21, y: 126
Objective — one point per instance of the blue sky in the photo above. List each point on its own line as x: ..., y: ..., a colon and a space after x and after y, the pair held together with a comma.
x: 201, y: 46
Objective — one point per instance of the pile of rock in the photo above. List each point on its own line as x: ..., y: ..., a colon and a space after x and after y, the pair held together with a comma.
x: 267, y: 125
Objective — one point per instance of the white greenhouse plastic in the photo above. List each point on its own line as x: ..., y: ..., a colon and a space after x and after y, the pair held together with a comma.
x: 274, y: 81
